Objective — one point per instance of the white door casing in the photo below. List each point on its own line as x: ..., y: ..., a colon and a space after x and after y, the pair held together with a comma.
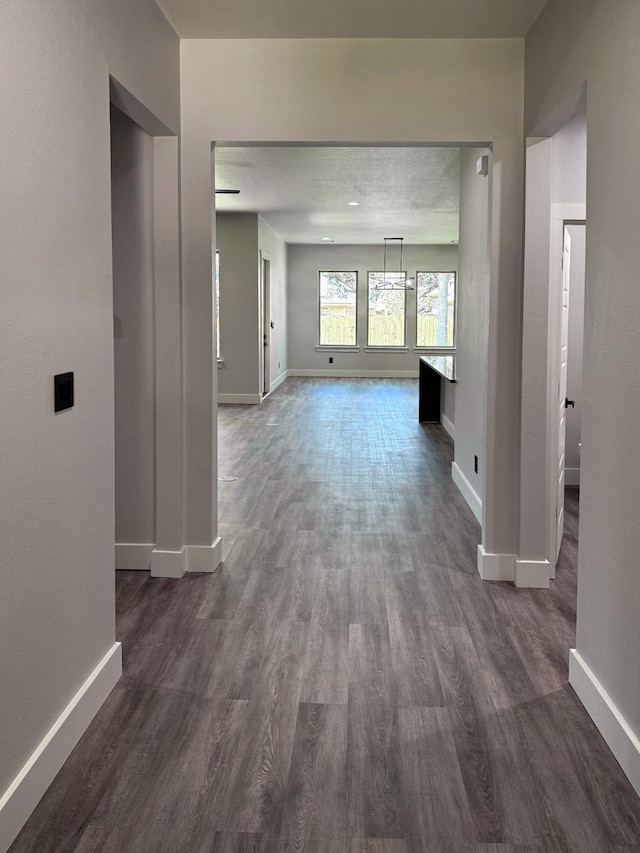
x: 561, y: 411
x: 265, y: 324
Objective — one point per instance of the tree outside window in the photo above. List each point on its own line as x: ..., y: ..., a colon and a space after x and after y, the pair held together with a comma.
x: 435, y: 309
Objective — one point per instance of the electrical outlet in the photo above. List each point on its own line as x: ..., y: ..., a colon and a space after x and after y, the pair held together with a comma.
x: 475, y: 464
x: 63, y: 391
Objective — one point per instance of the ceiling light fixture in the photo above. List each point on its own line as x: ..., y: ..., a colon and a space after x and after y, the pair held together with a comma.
x: 327, y: 240
x: 353, y: 203
x: 394, y: 279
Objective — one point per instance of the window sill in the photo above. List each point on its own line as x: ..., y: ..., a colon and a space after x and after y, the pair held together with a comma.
x: 386, y: 349
x: 435, y: 350
x: 337, y: 349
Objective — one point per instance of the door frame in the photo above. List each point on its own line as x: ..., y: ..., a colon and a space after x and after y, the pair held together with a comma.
x: 561, y: 216
x: 265, y: 324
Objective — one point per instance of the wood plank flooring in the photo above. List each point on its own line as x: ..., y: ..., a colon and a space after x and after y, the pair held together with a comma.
x: 345, y: 683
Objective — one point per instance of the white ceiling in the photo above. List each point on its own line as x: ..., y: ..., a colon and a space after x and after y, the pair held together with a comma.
x: 304, y: 192
x: 352, y: 18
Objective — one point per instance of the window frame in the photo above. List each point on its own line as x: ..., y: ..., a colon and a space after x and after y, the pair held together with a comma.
x: 438, y: 347
x: 341, y: 347
x: 390, y: 347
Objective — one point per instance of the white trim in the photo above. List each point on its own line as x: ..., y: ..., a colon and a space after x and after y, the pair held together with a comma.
x: 435, y: 350
x: 532, y: 574
x: 358, y: 374
x: 133, y: 557
x: 167, y: 564
x: 495, y: 567
x: 278, y: 382
x: 403, y: 350
x: 203, y: 558
x: 26, y: 790
x: 572, y: 476
x: 336, y: 348
x: 450, y: 428
x: 240, y: 399
x: 468, y: 492
x: 264, y: 322
x: 613, y: 727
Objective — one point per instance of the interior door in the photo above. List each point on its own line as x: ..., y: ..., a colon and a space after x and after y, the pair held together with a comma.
x: 561, y: 402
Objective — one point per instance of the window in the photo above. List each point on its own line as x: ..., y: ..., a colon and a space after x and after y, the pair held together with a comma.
x: 338, y: 308
x: 435, y: 309
x: 217, y: 298
x: 387, y: 310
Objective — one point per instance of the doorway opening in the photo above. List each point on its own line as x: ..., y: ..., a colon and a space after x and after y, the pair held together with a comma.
x: 301, y: 231
x: 553, y: 324
x: 568, y: 403
x: 134, y: 341
x: 149, y: 529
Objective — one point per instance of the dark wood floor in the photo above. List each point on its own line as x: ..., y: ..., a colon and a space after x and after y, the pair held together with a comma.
x: 346, y: 683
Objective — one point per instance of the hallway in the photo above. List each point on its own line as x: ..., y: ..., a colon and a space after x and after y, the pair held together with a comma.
x: 345, y: 683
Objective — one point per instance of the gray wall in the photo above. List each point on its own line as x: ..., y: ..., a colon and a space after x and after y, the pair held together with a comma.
x: 134, y: 351
x: 237, y: 242
x: 596, y: 40
x: 473, y: 297
x: 569, y: 171
x: 304, y: 262
x: 240, y: 237
x: 270, y: 242
x: 57, y: 500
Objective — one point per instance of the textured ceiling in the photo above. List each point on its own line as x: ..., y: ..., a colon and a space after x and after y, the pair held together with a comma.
x: 304, y: 192
x: 352, y: 18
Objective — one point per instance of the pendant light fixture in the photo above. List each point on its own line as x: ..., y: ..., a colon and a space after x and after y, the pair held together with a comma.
x: 394, y: 279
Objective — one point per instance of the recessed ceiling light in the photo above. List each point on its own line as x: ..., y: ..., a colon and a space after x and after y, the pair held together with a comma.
x: 327, y: 240
x: 353, y: 203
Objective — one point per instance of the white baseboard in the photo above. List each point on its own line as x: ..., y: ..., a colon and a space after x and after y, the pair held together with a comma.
x: 278, y: 382
x: 203, y: 558
x: 132, y: 557
x: 496, y: 567
x: 572, y: 476
x: 532, y: 574
x: 357, y: 374
x: 468, y: 492
x: 170, y: 564
x: 167, y: 564
x: 449, y: 427
x: 25, y: 792
x: 525, y: 574
x: 240, y: 399
x: 620, y: 738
